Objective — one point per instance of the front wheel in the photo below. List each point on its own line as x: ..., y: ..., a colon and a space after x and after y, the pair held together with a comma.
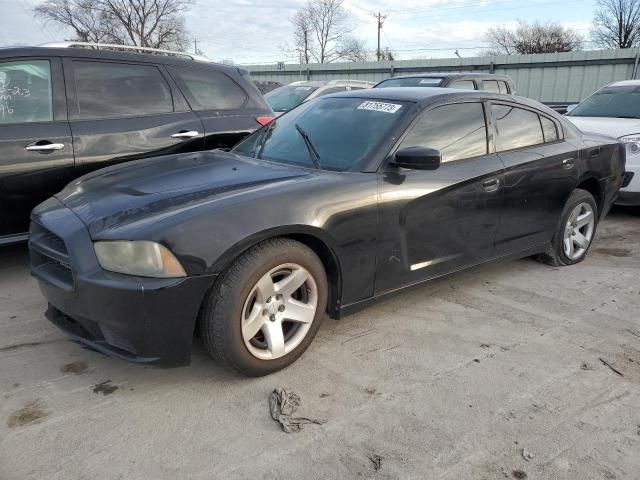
x: 266, y: 308
x: 575, y: 231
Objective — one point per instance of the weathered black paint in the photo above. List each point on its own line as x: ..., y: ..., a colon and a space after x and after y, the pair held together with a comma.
x: 378, y: 228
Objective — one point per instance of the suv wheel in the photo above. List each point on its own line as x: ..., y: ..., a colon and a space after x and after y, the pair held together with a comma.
x: 266, y: 308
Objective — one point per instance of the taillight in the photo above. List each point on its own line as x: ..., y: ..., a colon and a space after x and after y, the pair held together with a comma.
x: 263, y: 120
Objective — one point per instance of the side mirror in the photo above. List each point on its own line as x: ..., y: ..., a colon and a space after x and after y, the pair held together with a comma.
x: 418, y: 158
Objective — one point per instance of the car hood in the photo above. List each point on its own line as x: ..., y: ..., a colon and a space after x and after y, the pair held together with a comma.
x: 613, y: 127
x: 124, y: 193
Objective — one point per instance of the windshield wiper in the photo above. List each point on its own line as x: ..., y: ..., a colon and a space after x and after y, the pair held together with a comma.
x: 263, y: 140
x: 313, y: 153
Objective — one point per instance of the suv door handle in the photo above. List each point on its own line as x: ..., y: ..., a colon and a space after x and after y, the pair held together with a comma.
x: 47, y: 147
x: 186, y: 134
x: 491, y: 185
x: 567, y: 163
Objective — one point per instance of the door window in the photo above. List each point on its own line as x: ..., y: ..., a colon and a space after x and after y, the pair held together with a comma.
x: 517, y: 127
x: 503, y: 86
x: 112, y: 90
x: 209, y: 89
x: 25, y: 92
x: 463, y: 85
x: 458, y: 131
x: 490, y: 86
x: 549, y: 130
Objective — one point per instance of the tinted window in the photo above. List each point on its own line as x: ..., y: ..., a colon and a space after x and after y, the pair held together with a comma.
x: 490, y: 86
x: 210, y: 90
x: 25, y: 92
x: 458, y: 131
x: 284, y: 99
x: 503, y: 86
x: 619, y: 102
x: 463, y: 85
x: 110, y: 90
x: 344, y: 131
x: 516, y: 127
x: 411, y: 82
x: 549, y: 130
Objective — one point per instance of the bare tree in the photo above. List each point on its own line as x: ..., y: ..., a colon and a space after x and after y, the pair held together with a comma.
x: 145, y: 23
x: 321, y: 33
x: 387, y: 55
x: 616, y: 23
x: 532, y: 38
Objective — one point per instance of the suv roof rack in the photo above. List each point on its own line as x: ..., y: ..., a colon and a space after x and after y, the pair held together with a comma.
x: 129, y: 48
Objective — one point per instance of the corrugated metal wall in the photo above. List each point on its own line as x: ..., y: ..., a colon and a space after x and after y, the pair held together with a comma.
x: 556, y: 77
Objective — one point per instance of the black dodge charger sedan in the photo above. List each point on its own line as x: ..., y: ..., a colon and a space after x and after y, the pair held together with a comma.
x: 338, y: 203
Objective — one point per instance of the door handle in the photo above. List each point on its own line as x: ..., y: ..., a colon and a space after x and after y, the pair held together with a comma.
x: 491, y: 185
x: 567, y: 163
x: 47, y: 147
x: 189, y: 134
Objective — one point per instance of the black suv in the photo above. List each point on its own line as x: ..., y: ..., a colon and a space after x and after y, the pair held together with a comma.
x: 488, y: 82
x: 68, y: 109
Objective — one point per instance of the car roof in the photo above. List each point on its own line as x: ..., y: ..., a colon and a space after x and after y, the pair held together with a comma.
x: 625, y: 83
x: 106, y: 54
x: 450, y: 75
x: 428, y: 95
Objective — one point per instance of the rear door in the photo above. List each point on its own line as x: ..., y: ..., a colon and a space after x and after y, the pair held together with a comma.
x: 435, y: 222
x: 121, y: 111
x: 541, y: 171
x: 36, y: 151
x: 227, y: 111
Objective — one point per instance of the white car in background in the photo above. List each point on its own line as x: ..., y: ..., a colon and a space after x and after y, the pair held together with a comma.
x: 614, y: 110
x: 290, y: 96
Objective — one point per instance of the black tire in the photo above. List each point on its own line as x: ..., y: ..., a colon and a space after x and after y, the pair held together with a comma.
x: 555, y: 254
x: 220, y: 321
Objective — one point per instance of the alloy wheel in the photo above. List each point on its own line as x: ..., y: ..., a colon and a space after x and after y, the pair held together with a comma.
x: 279, y: 311
x: 579, y: 230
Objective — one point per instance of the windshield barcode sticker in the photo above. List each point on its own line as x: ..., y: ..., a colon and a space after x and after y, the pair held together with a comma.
x: 380, y: 107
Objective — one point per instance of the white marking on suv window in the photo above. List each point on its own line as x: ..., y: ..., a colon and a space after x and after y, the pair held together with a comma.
x: 379, y: 107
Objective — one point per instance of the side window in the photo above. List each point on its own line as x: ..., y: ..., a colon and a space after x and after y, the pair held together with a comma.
x: 516, y: 127
x: 463, y: 85
x: 503, y: 86
x: 490, y: 86
x: 113, y: 90
x: 457, y: 130
x: 209, y: 89
x: 25, y: 92
x: 549, y: 130
x: 332, y: 90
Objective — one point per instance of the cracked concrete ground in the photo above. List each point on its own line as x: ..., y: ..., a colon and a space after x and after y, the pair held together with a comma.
x: 458, y: 379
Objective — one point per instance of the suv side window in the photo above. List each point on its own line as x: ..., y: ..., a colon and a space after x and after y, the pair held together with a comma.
x: 208, y: 89
x: 490, y: 86
x: 549, y: 130
x: 25, y: 92
x: 463, y: 85
x: 113, y: 90
x: 517, y: 127
x: 458, y: 131
x: 504, y: 88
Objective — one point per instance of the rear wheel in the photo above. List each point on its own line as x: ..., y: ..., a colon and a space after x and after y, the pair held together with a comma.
x: 266, y: 308
x: 575, y: 231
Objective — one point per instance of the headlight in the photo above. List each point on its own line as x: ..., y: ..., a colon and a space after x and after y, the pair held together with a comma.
x: 632, y: 142
x: 140, y: 258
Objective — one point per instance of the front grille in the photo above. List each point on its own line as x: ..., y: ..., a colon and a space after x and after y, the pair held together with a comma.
x: 49, y: 257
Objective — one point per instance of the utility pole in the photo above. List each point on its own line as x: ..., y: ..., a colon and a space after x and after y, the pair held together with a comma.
x: 381, y: 18
x: 195, y: 46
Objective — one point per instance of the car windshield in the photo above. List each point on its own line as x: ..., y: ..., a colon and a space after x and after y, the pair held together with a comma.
x: 411, y: 82
x: 618, y: 102
x: 332, y: 133
x: 285, y: 98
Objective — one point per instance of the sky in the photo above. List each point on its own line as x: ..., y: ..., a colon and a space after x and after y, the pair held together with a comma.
x: 257, y: 31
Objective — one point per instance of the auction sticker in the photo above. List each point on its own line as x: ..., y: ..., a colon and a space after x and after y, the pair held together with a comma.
x: 380, y: 107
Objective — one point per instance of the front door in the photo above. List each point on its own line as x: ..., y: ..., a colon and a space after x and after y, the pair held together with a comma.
x: 122, y: 111
x: 436, y: 222
x: 36, y: 151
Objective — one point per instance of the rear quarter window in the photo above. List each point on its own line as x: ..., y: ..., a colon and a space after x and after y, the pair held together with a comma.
x: 209, y: 89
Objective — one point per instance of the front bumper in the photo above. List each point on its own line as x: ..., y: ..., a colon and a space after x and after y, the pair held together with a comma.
x: 630, y: 192
x: 139, y: 319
